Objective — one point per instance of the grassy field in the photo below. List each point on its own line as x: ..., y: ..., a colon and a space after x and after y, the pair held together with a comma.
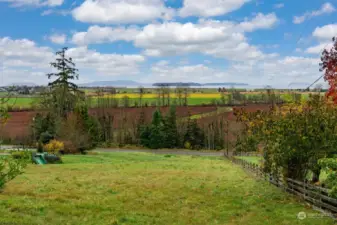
x: 142, y: 188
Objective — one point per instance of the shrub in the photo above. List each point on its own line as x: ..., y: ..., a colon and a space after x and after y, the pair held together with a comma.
x: 54, y: 146
x: 24, y: 155
x: 10, y: 168
x: 329, y: 165
x: 187, y: 145
x: 294, y: 136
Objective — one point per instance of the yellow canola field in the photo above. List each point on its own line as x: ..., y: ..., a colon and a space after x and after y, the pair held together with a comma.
x: 192, y: 95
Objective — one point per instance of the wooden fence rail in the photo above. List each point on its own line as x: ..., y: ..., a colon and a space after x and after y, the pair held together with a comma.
x: 315, y: 195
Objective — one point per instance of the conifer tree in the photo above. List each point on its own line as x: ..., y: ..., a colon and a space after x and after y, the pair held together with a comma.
x: 64, y: 93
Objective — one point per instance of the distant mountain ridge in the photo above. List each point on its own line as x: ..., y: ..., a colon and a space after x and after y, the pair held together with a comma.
x: 28, y: 84
x: 111, y: 83
x: 125, y: 83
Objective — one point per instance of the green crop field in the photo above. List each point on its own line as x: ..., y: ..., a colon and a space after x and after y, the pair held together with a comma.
x: 150, y: 99
x: 143, y: 188
x: 23, y: 102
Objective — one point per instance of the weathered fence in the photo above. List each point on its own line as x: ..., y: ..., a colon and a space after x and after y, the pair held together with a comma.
x: 315, y: 195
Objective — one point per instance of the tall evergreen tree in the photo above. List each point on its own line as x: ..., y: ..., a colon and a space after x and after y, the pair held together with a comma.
x: 156, y: 131
x: 170, y: 131
x: 194, y: 135
x: 64, y: 93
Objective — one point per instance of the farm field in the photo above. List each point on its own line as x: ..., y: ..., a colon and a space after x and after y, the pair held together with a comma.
x: 149, y: 99
x: 142, y: 188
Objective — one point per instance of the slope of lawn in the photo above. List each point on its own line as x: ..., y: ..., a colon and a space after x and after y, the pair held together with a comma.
x: 142, y: 188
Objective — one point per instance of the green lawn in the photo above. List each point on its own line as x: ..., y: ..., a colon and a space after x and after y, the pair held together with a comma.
x: 142, y: 188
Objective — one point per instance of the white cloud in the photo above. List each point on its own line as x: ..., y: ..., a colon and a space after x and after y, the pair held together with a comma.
x: 217, y: 38
x: 186, y: 73
x: 23, y: 60
x: 106, y: 64
x: 58, y: 38
x: 326, y: 32
x: 279, y: 6
x: 36, y: 3
x: 277, y: 72
x: 97, y: 34
x: 326, y: 8
x: 23, y: 49
x: 318, y: 49
x: 116, y: 11
x: 261, y: 21
x: 324, y: 37
x: 210, y: 7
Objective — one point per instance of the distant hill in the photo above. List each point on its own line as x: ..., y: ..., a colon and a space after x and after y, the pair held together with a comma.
x: 29, y: 84
x: 128, y: 83
x: 199, y: 84
x: 177, y: 84
x: 115, y: 83
x: 225, y: 84
x: 298, y: 85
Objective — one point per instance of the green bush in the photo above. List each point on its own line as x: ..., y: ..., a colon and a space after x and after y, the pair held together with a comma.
x: 329, y: 165
x: 10, y: 168
x: 24, y: 155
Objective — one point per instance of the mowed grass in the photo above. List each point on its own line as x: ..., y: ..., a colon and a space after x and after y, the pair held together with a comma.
x: 143, y: 188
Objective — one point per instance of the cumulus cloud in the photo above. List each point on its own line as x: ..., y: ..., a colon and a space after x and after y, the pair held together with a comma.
x: 277, y: 72
x: 318, y: 49
x: 324, y: 36
x: 326, y: 32
x: 106, y: 64
x: 118, y: 12
x: 97, y: 34
x: 210, y: 7
x: 199, y: 72
x: 23, y: 60
x: 261, y: 21
x: 59, y: 39
x: 217, y: 38
x: 326, y: 8
x: 35, y: 3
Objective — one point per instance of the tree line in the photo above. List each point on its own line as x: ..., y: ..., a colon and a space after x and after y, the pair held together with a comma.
x: 64, y: 115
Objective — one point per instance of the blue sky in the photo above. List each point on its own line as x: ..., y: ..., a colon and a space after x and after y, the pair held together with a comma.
x: 257, y: 42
